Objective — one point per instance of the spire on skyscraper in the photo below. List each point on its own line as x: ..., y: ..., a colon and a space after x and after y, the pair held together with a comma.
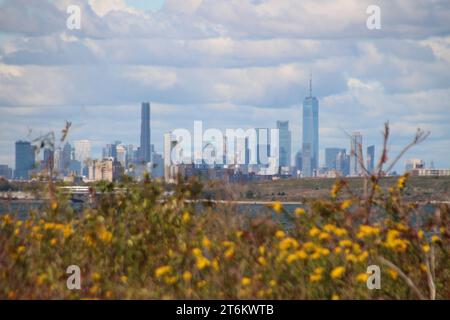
x: 310, y: 84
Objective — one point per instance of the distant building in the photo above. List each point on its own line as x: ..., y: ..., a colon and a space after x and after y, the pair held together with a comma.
x: 430, y: 172
x: 75, y: 168
x: 57, y: 154
x: 157, y: 166
x: 105, y: 170
x: 298, y: 160
x: 331, y: 155
x: 110, y: 150
x: 145, y: 148
x: 413, y: 164
x: 129, y: 155
x: 169, y: 144
x: 343, y: 163
x: 48, y: 160
x: 82, y: 151
x: 66, y: 158
x: 5, y: 171
x: 356, y: 154
x: 370, y: 158
x: 262, y: 146
x: 25, y: 159
x: 310, y: 145
x: 284, y: 145
x: 121, y: 154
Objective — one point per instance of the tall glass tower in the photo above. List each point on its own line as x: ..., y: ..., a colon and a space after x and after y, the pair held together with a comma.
x: 356, y: 154
x: 145, y: 148
x: 25, y: 159
x: 284, y: 144
x: 310, y: 145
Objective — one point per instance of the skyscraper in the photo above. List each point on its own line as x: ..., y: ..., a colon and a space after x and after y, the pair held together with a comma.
x: 310, y: 146
x: 66, y: 158
x: 49, y: 159
x: 25, y: 159
x: 262, y: 146
x: 355, y: 154
x: 145, y: 149
x: 370, y: 158
x: 82, y: 151
x: 343, y: 162
x: 331, y: 156
x: 284, y: 143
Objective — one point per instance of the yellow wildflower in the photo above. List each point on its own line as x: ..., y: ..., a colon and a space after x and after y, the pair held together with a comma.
x: 277, y: 206
x: 96, y: 276
x: 435, y: 239
x: 315, y: 277
x: 335, y: 189
x: 67, y: 231
x: 186, y: 217
x: 423, y: 267
x: 262, y: 250
x: 206, y: 243
x: 246, y: 281
x: 280, y: 234
x: 41, y: 279
x: 363, y: 256
x: 426, y: 248
x: 20, y: 249
x: 337, y: 272
x: 197, y: 252
x: 362, y: 277
x: 318, y: 270
x: 159, y: 272
x: 420, y: 234
x: 308, y: 245
x: 301, y: 254
x: 287, y: 243
x: 202, y: 262
x: 262, y: 261
x: 215, y: 265
x: 345, y: 243
x: 170, y: 280
x: 367, y: 231
x: 324, y: 236
x: 340, y: 232
x: 314, y: 231
x: 351, y: 258
x: 105, y: 235
x: 229, y: 253
x: 401, y: 182
x: 346, y: 204
x: 187, y: 276
x: 299, y: 212
x: 53, y: 242
x: 228, y: 244
x: 292, y: 258
x: 393, y: 274
x: 335, y: 297
x: 124, y: 279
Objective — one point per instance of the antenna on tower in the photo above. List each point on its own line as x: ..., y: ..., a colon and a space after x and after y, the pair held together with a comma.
x: 310, y: 84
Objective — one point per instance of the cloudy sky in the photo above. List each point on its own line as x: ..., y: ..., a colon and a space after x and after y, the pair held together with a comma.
x: 230, y: 63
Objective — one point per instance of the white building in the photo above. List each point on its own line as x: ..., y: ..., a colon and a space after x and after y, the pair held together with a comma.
x: 82, y: 151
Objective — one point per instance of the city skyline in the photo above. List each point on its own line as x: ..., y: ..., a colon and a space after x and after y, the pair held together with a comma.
x: 213, y: 67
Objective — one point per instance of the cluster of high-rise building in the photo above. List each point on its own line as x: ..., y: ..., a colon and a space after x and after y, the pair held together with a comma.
x: 260, y: 153
x: 73, y: 161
